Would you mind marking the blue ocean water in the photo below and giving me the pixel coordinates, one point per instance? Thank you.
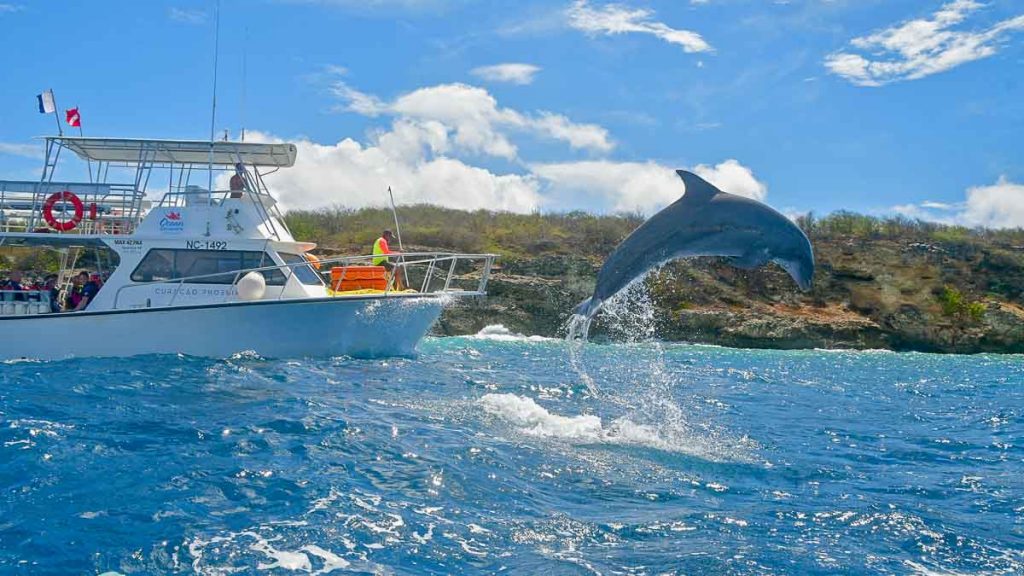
(489, 454)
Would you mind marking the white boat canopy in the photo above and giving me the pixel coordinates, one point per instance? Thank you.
(134, 152)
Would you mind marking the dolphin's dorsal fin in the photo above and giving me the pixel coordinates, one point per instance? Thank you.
(697, 188)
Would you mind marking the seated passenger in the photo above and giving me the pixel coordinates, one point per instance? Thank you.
(51, 286)
(89, 290)
(75, 291)
(14, 284)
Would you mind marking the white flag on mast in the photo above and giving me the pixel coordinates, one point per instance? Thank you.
(46, 103)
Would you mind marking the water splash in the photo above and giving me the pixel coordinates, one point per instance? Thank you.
(631, 320)
(500, 333)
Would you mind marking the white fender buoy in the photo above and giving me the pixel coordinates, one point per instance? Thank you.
(252, 286)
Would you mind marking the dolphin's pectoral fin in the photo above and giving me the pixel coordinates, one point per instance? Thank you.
(801, 270)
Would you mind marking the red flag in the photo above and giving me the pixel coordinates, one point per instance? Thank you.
(74, 120)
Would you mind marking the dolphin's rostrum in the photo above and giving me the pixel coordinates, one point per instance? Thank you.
(705, 222)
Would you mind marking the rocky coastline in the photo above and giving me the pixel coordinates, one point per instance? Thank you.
(895, 283)
(884, 295)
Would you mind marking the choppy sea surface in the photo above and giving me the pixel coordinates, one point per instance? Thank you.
(491, 454)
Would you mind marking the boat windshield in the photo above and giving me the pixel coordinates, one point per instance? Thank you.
(204, 266)
(303, 271)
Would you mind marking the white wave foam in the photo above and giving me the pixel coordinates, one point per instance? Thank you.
(500, 333)
(534, 420)
(300, 560)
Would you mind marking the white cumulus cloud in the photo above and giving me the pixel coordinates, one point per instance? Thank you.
(1000, 205)
(613, 19)
(348, 173)
(641, 186)
(476, 122)
(422, 154)
(734, 178)
(918, 48)
(511, 72)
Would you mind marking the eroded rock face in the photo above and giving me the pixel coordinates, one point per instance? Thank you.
(867, 294)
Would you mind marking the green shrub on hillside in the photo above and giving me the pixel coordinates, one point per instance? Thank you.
(955, 304)
(581, 233)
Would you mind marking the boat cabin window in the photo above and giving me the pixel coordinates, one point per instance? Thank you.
(300, 265)
(216, 266)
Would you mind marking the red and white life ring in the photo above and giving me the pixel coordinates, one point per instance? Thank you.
(63, 225)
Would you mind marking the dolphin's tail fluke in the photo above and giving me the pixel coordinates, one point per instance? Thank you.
(588, 308)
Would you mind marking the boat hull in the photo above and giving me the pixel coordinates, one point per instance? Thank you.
(360, 327)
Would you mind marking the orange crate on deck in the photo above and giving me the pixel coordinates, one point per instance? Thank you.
(367, 284)
(344, 278)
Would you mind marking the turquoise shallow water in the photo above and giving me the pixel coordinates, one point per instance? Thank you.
(488, 454)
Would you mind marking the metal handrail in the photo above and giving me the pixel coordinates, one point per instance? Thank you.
(419, 258)
(117, 206)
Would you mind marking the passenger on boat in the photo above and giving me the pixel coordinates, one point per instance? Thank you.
(238, 181)
(380, 251)
(14, 285)
(89, 289)
(75, 291)
(50, 285)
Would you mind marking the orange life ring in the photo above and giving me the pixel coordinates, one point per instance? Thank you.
(63, 225)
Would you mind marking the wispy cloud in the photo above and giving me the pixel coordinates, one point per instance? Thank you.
(513, 73)
(918, 48)
(10, 8)
(26, 150)
(187, 15)
(406, 7)
(613, 19)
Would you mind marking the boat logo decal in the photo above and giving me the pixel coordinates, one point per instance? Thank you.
(172, 222)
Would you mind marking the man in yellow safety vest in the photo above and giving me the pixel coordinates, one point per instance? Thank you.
(380, 251)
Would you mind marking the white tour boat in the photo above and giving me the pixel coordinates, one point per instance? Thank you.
(201, 271)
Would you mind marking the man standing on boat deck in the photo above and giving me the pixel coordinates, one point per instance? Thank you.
(238, 181)
(380, 250)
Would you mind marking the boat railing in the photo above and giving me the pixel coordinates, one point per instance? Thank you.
(194, 195)
(101, 209)
(24, 302)
(421, 273)
(265, 204)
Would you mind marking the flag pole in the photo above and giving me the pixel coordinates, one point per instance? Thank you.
(56, 117)
(82, 134)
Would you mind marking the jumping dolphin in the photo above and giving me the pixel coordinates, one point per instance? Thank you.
(705, 222)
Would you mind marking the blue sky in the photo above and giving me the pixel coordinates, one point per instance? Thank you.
(879, 106)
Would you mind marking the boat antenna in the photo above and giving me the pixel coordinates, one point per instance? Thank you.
(213, 115)
(245, 62)
(394, 212)
(398, 233)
